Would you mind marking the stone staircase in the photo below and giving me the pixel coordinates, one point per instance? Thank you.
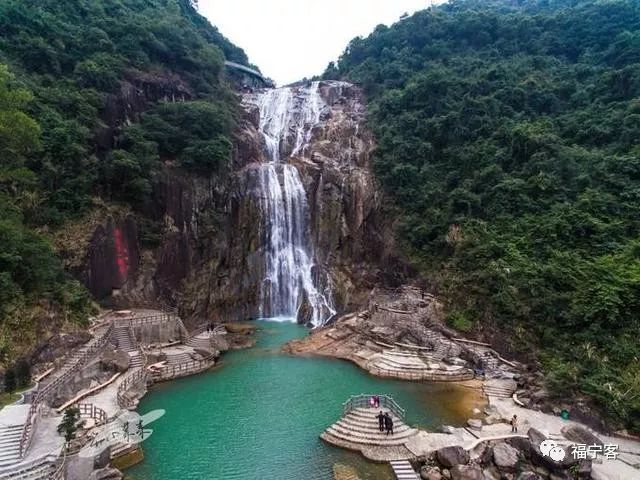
(178, 358)
(201, 340)
(403, 470)
(39, 469)
(127, 342)
(498, 388)
(414, 366)
(10, 444)
(360, 427)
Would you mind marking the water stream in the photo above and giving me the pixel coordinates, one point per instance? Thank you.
(260, 413)
(287, 118)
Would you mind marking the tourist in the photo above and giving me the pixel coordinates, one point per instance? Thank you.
(388, 423)
(381, 423)
(372, 402)
(514, 424)
(376, 400)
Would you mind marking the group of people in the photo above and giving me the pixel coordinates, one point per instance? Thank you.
(385, 422)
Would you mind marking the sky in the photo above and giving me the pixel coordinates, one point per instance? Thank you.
(292, 39)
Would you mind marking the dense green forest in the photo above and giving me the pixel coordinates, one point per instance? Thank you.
(509, 138)
(62, 66)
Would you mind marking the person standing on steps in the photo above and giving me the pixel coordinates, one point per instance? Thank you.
(380, 418)
(388, 423)
(514, 424)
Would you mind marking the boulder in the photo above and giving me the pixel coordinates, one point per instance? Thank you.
(584, 469)
(446, 473)
(430, 473)
(115, 360)
(505, 456)
(529, 476)
(493, 419)
(536, 438)
(106, 474)
(475, 423)
(466, 472)
(523, 445)
(450, 456)
(491, 473)
(581, 435)
(448, 429)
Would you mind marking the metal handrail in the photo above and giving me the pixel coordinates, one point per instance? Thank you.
(136, 376)
(171, 370)
(362, 400)
(43, 392)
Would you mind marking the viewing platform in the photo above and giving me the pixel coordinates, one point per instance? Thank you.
(358, 430)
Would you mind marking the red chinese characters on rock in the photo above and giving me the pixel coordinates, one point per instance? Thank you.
(122, 253)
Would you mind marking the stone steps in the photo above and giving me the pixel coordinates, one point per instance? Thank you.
(199, 342)
(39, 469)
(10, 444)
(368, 426)
(124, 340)
(381, 440)
(403, 470)
(360, 427)
(178, 358)
(390, 364)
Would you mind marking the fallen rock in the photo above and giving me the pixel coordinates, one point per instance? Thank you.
(475, 423)
(450, 456)
(448, 429)
(505, 456)
(115, 360)
(581, 435)
(493, 419)
(466, 472)
(523, 445)
(430, 473)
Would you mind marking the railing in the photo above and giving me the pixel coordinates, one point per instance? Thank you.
(44, 392)
(181, 369)
(89, 352)
(59, 473)
(159, 318)
(435, 375)
(137, 376)
(91, 411)
(363, 400)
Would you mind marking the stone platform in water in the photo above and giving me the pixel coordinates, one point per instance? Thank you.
(358, 431)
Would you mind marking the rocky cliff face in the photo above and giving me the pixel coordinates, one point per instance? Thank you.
(208, 259)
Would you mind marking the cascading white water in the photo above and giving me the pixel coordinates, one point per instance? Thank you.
(287, 119)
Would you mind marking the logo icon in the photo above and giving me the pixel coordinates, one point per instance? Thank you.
(551, 449)
(127, 428)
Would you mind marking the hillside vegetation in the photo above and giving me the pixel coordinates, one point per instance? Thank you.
(63, 65)
(509, 138)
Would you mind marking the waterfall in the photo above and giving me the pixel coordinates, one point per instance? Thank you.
(287, 118)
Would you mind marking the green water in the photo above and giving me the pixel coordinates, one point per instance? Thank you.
(258, 415)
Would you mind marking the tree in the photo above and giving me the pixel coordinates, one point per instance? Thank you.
(70, 423)
(10, 381)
